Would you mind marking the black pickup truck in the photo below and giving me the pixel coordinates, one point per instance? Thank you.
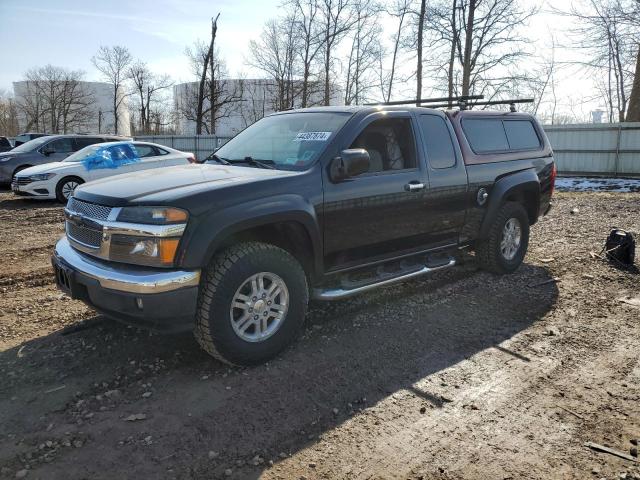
(320, 203)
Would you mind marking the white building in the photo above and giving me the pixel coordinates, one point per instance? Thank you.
(249, 101)
(97, 117)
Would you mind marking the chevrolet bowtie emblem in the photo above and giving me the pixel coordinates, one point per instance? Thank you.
(76, 219)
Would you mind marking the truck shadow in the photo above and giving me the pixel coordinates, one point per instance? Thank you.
(352, 355)
(9, 201)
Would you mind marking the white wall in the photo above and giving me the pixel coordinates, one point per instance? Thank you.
(103, 102)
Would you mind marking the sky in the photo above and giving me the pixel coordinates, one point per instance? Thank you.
(68, 32)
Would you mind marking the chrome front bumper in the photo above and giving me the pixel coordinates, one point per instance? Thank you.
(122, 277)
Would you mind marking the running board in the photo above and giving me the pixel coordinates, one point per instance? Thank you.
(340, 293)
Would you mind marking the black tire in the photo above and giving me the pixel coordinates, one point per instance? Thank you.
(225, 275)
(60, 187)
(489, 252)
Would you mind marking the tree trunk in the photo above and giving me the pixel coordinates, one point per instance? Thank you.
(468, 48)
(327, 67)
(633, 113)
(115, 108)
(423, 7)
(212, 87)
(452, 55)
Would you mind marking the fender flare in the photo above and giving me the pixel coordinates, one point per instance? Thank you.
(524, 181)
(212, 230)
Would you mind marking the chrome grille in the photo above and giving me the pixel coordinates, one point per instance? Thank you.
(91, 210)
(84, 235)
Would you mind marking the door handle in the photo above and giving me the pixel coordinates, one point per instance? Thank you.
(414, 187)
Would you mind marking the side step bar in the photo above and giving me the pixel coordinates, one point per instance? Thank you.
(340, 293)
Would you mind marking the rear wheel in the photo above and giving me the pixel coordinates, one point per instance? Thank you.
(66, 187)
(506, 245)
(252, 303)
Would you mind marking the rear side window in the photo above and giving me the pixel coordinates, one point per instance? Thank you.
(521, 135)
(437, 141)
(160, 151)
(144, 150)
(485, 135)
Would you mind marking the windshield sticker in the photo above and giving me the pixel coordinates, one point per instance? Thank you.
(113, 156)
(312, 137)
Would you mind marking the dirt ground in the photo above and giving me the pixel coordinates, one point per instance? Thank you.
(463, 375)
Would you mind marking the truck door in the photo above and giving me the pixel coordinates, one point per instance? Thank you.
(447, 195)
(382, 212)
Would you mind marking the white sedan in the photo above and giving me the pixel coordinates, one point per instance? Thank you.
(59, 179)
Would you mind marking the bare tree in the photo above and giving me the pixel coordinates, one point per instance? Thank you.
(55, 100)
(194, 101)
(275, 54)
(192, 104)
(399, 10)
(256, 94)
(310, 43)
(336, 19)
(365, 52)
(147, 87)
(113, 62)
(481, 40)
(633, 112)
(605, 40)
(214, 67)
(630, 13)
(421, 15)
(8, 115)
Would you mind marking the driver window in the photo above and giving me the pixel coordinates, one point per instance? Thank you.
(390, 144)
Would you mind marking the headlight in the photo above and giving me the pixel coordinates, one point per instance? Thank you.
(5, 159)
(153, 215)
(150, 251)
(41, 177)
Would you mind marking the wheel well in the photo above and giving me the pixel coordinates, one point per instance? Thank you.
(529, 200)
(291, 236)
(17, 169)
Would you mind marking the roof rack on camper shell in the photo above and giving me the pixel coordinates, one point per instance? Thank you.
(462, 102)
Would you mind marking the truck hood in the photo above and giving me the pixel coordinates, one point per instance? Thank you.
(162, 185)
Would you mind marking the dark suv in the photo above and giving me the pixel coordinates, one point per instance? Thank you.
(319, 203)
(51, 148)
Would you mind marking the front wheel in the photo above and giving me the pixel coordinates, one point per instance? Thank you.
(506, 245)
(252, 303)
(66, 187)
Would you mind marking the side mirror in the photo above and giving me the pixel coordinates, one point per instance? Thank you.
(350, 163)
(47, 150)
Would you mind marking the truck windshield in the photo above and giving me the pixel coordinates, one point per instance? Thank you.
(289, 141)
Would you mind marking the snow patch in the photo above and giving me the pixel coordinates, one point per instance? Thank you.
(584, 184)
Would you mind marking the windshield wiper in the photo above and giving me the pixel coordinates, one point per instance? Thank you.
(255, 162)
(218, 159)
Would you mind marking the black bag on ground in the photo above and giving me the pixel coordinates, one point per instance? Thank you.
(620, 247)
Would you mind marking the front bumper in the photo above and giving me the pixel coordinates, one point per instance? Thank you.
(148, 297)
(34, 189)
